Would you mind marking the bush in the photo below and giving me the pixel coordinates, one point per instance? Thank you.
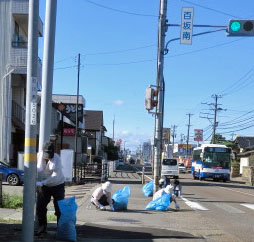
(235, 163)
(12, 201)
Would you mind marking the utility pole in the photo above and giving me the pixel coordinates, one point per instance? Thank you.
(188, 133)
(215, 109)
(30, 156)
(47, 72)
(114, 129)
(215, 116)
(77, 123)
(162, 28)
(174, 135)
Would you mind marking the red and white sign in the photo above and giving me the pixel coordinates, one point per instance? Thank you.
(198, 134)
(69, 131)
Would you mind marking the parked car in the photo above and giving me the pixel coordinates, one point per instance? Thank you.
(182, 168)
(11, 175)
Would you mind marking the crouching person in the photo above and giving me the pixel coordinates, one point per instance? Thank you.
(169, 189)
(101, 197)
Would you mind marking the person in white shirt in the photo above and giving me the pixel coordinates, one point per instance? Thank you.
(101, 197)
(50, 183)
(169, 189)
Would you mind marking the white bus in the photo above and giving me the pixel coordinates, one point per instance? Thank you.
(211, 161)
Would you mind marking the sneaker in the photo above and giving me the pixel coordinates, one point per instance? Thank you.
(42, 229)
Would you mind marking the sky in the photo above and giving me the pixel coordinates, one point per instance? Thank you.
(117, 40)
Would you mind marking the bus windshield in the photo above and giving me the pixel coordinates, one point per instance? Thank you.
(216, 159)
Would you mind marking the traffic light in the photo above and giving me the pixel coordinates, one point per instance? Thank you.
(240, 27)
(151, 98)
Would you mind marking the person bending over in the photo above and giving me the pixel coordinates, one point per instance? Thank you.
(101, 197)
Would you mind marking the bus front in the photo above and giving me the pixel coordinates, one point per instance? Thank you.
(216, 163)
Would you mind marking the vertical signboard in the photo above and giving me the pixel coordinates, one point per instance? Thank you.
(198, 134)
(166, 135)
(187, 26)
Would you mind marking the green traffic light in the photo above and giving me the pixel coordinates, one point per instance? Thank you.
(235, 26)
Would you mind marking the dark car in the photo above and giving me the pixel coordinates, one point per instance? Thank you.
(11, 175)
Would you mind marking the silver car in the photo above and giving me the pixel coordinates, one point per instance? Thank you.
(182, 168)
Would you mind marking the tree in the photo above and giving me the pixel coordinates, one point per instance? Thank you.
(219, 139)
(112, 150)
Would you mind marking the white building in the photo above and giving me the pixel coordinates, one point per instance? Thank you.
(13, 69)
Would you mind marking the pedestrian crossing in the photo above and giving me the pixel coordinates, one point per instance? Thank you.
(237, 208)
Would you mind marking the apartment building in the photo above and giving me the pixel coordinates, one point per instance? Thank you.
(13, 69)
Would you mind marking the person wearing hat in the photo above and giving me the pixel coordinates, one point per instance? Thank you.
(50, 183)
(101, 197)
(169, 189)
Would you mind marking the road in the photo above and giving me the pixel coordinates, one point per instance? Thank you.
(210, 211)
(229, 205)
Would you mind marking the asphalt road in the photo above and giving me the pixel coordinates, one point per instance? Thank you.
(210, 211)
(229, 206)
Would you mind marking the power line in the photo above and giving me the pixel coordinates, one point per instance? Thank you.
(122, 11)
(211, 9)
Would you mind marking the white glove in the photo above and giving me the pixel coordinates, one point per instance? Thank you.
(39, 184)
(112, 208)
(102, 207)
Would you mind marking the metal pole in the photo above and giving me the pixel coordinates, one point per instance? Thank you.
(114, 129)
(188, 134)
(76, 131)
(47, 72)
(30, 157)
(159, 83)
(62, 126)
(215, 116)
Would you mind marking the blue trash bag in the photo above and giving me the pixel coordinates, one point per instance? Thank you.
(159, 204)
(148, 189)
(121, 198)
(66, 228)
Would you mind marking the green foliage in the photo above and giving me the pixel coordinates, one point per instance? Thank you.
(112, 151)
(235, 163)
(12, 201)
(51, 216)
(219, 139)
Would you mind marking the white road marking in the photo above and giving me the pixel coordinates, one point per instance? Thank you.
(245, 193)
(194, 205)
(248, 205)
(228, 208)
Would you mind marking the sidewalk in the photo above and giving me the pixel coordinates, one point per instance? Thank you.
(136, 223)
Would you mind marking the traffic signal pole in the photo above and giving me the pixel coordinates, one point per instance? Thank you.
(162, 28)
(30, 157)
(47, 72)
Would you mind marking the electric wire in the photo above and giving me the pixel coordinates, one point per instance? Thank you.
(211, 9)
(121, 11)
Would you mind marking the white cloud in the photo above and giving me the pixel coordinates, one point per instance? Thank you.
(118, 102)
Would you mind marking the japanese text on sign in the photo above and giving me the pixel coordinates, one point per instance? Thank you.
(198, 134)
(187, 25)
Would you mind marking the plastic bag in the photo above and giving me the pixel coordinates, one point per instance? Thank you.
(148, 189)
(121, 198)
(159, 204)
(66, 229)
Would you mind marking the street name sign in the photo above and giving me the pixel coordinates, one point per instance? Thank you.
(187, 26)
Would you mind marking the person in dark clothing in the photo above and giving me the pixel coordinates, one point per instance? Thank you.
(50, 183)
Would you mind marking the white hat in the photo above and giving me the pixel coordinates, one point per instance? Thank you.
(168, 188)
(161, 180)
(107, 186)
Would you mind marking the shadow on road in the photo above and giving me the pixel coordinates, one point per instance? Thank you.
(127, 233)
